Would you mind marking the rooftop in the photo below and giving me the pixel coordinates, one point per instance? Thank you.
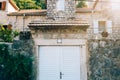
(28, 13)
(13, 4)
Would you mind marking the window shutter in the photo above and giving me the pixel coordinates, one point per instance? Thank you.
(95, 25)
(109, 26)
(3, 5)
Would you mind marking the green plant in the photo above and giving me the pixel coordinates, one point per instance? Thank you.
(81, 3)
(15, 66)
(7, 35)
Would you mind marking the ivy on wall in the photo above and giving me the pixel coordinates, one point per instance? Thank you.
(15, 66)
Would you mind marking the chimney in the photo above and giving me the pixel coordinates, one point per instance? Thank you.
(60, 9)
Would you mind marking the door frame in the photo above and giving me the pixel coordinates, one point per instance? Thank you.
(65, 42)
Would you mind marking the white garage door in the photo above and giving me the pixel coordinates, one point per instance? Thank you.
(59, 63)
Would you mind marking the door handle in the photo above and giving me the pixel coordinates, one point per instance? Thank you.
(61, 75)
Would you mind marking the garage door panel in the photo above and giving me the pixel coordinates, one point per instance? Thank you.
(48, 63)
(71, 63)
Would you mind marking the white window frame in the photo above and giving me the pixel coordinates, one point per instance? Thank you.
(95, 27)
(108, 26)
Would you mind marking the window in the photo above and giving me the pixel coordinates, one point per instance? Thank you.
(60, 5)
(115, 4)
(0, 5)
(100, 26)
(9, 26)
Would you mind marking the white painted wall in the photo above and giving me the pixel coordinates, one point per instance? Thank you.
(3, 14)
(10, 8)
(3, 17)
(3, 0)
(17, 21)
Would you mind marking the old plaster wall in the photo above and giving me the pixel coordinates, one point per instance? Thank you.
(3, 17)
(18, 22)
(64, 33)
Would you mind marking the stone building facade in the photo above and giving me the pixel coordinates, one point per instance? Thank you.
(53, 10)
(95, 31)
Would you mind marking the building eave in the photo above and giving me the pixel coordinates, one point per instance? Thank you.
(28, 13)
(13, 4)
(58, 24)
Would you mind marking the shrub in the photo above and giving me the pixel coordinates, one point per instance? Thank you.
(81, 4)
(15, 67)
(7, 35)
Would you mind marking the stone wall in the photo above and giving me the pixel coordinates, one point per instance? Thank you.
(104, 62)
(59, 32)
(67, 13)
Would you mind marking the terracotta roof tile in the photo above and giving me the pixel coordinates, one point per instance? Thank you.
(51, 23)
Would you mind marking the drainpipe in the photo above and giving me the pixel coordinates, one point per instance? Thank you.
(15, 21)
(23, 22)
